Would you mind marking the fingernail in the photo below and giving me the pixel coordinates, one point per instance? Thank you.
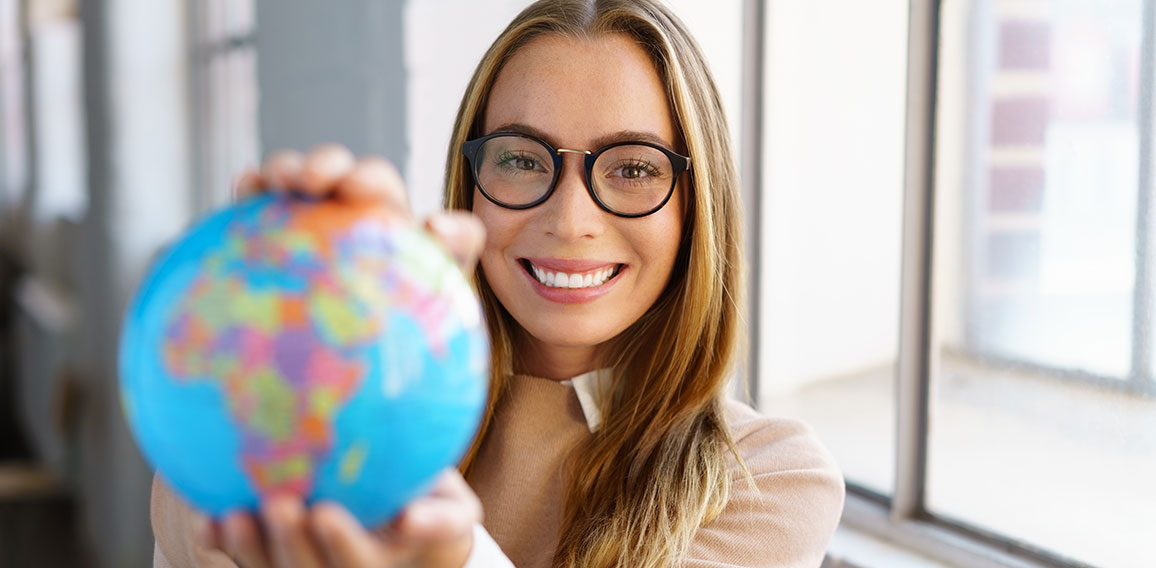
(422, 518)
(202, 531)
(322, 525)
(232, 536)
(325, 533)
(445, 226)
(278, 512)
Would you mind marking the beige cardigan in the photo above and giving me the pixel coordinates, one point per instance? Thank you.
(785, 521)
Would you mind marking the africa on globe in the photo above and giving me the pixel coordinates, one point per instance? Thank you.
(287, 345)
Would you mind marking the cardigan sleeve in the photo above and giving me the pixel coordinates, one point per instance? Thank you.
(786, 517)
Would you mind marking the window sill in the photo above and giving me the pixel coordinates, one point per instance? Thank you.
(869, 538)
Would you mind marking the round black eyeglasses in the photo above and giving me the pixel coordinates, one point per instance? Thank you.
(627, 179)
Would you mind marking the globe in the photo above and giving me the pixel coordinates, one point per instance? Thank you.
(307, 347)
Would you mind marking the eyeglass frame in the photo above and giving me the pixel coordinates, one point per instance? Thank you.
(679, 164)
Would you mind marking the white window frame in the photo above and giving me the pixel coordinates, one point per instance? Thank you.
(205, 52)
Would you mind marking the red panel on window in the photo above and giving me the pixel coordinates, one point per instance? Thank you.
(1024, 45)
(1019, 121)
(1019, 190)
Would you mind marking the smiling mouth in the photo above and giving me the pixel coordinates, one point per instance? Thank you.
(557, 279)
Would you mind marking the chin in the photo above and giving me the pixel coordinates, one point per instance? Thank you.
(559, 336)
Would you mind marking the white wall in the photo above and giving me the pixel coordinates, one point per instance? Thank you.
(444, 40)
(833, 186)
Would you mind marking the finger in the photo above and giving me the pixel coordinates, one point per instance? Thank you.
(243, 541)
(462, 233)
(375, 180)
(282, 170)
(345, 541)
(287, 524)
(207, 533)
(323, 168)
(447, 513)
(429, 520)
(250, 182)
(451, 484)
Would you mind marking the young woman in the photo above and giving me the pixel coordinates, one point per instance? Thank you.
(592, 147)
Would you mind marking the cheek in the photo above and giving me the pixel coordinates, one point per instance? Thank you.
(502, 230)
(666, 235)
(490, 216)
(499, 231)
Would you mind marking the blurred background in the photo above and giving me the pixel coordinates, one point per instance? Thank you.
(950, 220)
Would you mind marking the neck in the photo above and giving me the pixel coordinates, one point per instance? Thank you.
(556, 362)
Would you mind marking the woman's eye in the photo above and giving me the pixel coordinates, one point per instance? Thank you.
(637, 171)
(520, 163)
(523, 163)
(633, 172)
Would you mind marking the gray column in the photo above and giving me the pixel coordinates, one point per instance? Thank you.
(332, 72)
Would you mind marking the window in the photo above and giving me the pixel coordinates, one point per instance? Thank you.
(1042, 423)
(957, 270)
(225, 96)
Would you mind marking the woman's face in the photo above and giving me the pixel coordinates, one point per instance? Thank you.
(578, 94)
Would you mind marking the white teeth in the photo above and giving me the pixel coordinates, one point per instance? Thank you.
(564, 280)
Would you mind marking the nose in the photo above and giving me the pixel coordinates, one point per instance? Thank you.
(571, 213)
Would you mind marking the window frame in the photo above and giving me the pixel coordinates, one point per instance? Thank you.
(205, 51)
(1143, 378)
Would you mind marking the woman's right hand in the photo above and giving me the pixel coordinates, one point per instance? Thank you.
(444, 537)
(432, 531)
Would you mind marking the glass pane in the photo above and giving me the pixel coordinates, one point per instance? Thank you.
(1032, 435)
(1054, 203)
(831, 225)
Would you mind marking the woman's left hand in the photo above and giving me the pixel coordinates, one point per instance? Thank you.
(434, 531)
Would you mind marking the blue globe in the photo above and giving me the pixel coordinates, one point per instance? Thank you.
(308, 347)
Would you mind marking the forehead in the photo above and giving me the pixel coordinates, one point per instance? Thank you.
(577, 90)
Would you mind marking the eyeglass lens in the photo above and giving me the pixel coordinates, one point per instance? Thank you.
(630, 179)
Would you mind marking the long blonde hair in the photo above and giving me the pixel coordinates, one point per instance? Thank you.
(657, 469)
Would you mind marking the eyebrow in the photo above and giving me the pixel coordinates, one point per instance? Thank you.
(599, 142)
